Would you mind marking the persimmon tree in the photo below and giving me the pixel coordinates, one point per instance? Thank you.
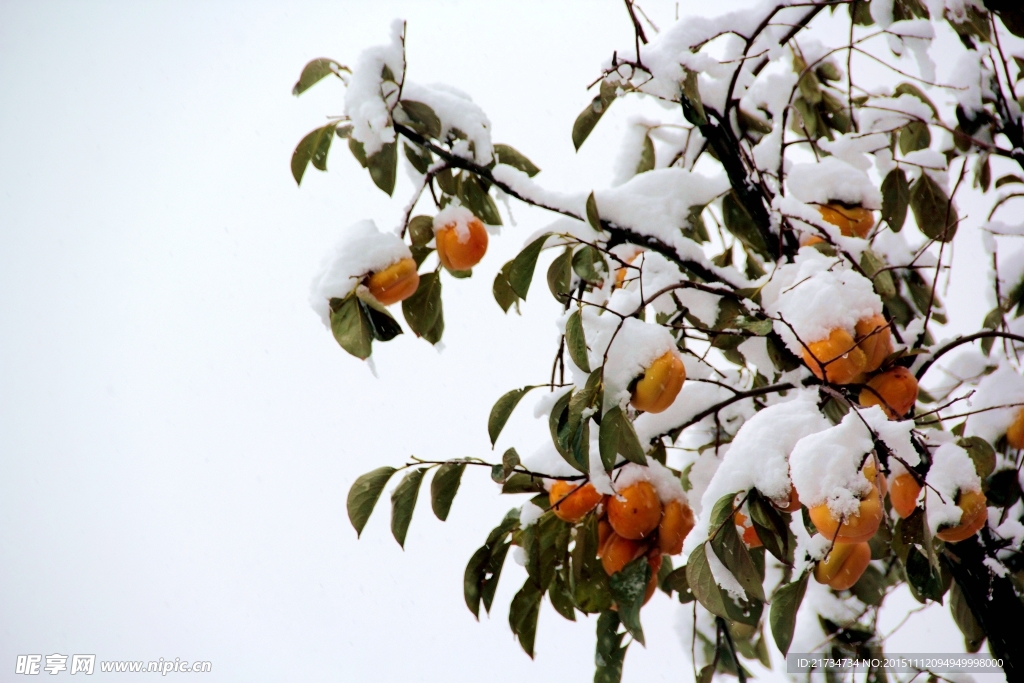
(734, 404)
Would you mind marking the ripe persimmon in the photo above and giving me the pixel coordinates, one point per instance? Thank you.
(654, 559)
(836, 358)
(617, 552)
(571, 502)
(843, 565)
(904, 493)
(870, 473)
(660, 384)
(461, 249)
(749, 535)
(851, 221)
(973, 515)
(894, 391)
(1015, 433)
(854, 529)
(875, 339)
(635, 512)
(622, 273)
(395, 283)
(676, 523)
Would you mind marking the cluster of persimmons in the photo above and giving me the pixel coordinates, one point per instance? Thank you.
(636, 522)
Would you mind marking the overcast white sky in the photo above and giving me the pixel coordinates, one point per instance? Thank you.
(178, 431)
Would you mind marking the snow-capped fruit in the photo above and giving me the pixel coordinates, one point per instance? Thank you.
(791, 504)
(903, 494)
(676, 523)
(617, 552)
(894, 391)
(843, 565)
(1015, 433)
(571, 502)
(635, 512)
(973, 515)
(836, 359)
(875, 339)
(854, 529)
(461, 249)
(395, 283)
(851, 221)
(660, 384)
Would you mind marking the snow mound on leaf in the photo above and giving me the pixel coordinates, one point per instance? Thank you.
(363, 249)
(758, 457)
(1001, 396)
(817, 294)
(368, 99)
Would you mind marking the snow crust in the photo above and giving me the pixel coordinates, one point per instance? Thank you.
(362, 250)
(659, 476)
(1004, 387)
(952, 471)
(366, 103)
(833, 179)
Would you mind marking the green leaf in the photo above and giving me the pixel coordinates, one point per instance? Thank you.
(702, 583)
(771, 528)
(363, 496)
(677, 581)
(870, 587)
(560, 275)
(561, 599)
(782, 617)
(934, 212)
(741, 225)
(475, 198)
(895, 199)
(474, 575)
(315, 71)
(964, 618)
(422, 118)
(484, 568)
(523, 265)
(522, 483)
(383, 327)
(647, 157)
(593, 217)
(875, 268)
(403, 502)
(617, 435)
(914, 91)
(1008, 179)
(421, 230)
(509, 461)
(590, 265)
(444, 486)
(420, 158)
(924, 580)
(312, 148)
(357, 150)
(503, 409)
(610, 653)
(523, 613)
(727, 545)
(914, 136)
(589, 117)
(693, 108)
(423, 310)
(576, 341)
(383, 167)
(507, 155)
(351, 328)
(558, 419)
(628, 587)
(982, 454)
(502, 290)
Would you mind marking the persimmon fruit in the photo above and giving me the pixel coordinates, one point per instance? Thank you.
(658, 387)
(837, 358)
(851, 221)
(1015, 433)
(973, 515)
(843, 565)
(635, 512)
(461, 249)
(854, 529)
(904, 493)
(894, 391)
(571, 502)
(874, 338)
(676, 522)
(395, 283)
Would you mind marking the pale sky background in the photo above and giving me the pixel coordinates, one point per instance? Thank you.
(178, 431)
